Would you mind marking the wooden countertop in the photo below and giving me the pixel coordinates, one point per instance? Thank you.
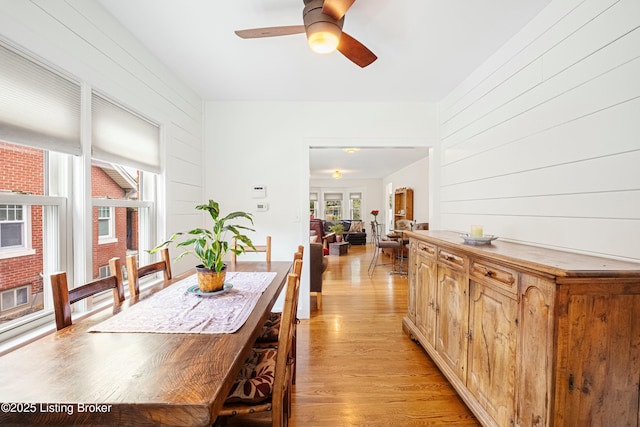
(553, 262)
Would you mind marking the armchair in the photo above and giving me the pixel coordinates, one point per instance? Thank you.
(324, 238)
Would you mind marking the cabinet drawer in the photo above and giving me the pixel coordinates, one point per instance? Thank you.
(458, 262)
(426, 250)
(497, 275)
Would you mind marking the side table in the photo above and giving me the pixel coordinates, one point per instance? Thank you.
(338, 248)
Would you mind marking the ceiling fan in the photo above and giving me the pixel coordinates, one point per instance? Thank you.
(323, 21)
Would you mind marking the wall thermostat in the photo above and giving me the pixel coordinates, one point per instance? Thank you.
(259, 191)
(262, 207)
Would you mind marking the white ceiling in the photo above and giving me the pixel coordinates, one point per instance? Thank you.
(368, 163)
(425, 48)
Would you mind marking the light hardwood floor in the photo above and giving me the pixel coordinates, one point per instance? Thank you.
(356, 367)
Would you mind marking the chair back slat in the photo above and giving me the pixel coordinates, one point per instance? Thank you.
(135, 273)
(282, 381)
(266, 248)
(63, 297)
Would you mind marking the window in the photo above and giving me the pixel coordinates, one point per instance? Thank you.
(355, 206)
(103, 271)
(332, 206)
(313, 205)
(14, 298)
(123, 221)
(105, 223)
(30, 222)
(44, 213)
(11, 226)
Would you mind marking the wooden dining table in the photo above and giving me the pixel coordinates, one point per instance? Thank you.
(76, 377)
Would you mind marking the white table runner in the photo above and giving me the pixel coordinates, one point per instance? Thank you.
(174, 310)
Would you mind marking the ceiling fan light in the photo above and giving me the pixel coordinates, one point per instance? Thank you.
(323, 37)
(337, 174)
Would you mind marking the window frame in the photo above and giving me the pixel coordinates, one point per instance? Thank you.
(14, 291)
(68, 204)
(110, 237)
(55, 258)
(26, 247)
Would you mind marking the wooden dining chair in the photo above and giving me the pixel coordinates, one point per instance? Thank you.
(63, 297)
(135, 273)
(266, 248)
(271, 328)
(264, 383)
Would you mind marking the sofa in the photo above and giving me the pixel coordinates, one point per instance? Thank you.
(354, 231)
(317, 265)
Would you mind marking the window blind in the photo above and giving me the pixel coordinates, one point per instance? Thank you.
(38, 107)
(333, 196)
(122, 137)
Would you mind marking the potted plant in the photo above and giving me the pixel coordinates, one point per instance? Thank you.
(338, 229)
(211, 246)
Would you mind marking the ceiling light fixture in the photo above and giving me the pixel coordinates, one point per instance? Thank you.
(323, 31)
(350, 150)
(323, 37)
(337, 174)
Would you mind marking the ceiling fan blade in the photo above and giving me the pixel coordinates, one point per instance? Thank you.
(336, 8)
(256, 33)
(355, 51)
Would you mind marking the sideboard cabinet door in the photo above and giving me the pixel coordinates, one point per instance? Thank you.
(411, 276)
(452, 326)
(535, 351)
(492, 363)
(426, 292)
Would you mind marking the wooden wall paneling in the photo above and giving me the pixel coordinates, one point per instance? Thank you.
(116, 63)
(589, 176)
(609, 205)
(600, 61)
(617, 125)
(549, 106)
(555, 23)
(613, 23)
(526, 78)
(529, 41)
(606, 237)
(136, 61)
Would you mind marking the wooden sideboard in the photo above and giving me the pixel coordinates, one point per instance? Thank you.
(528, 336)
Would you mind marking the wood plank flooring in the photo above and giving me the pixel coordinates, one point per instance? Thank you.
(356, 367)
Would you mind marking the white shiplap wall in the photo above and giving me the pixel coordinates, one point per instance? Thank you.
(80, 38)
(541, 144)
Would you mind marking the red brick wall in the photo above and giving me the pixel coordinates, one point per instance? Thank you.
(22, 169)
(103, 186)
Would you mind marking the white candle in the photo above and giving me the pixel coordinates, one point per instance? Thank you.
(476, 231)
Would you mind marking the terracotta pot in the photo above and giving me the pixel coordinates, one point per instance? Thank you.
(338, 238)
(209, 280)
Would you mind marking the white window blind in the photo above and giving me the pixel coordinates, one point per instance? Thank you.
(38, 107)
(355, 196)
(120, 136)
(333, 196)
